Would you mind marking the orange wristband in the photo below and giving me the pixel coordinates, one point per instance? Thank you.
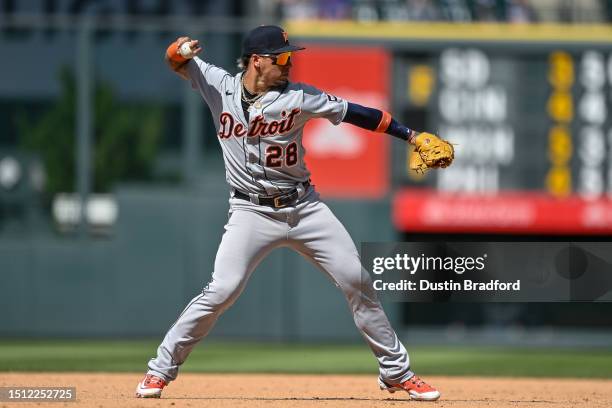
(172, 53)
(384, 122)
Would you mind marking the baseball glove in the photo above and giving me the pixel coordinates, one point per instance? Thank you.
(431, 152)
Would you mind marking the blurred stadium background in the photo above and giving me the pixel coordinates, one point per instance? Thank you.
(112, 187)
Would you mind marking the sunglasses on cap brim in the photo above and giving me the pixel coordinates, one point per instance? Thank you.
(279, 59)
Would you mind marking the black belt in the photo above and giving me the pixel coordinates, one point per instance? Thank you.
(279, 201)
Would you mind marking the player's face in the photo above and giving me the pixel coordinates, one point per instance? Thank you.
(272, 72)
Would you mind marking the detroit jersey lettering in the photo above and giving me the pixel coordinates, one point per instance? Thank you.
(265, 155)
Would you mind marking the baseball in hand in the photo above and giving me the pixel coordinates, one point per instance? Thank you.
(186, 51)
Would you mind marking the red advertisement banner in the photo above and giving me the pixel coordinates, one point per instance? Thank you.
(416, 210)
(346, 161)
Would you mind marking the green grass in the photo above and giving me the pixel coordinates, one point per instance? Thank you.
(132, 355)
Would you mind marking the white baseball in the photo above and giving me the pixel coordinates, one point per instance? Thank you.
(186, 50)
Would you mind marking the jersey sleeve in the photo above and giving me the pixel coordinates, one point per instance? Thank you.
(318, 104)
(207, 78)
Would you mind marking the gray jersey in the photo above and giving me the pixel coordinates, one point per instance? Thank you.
(264, 156)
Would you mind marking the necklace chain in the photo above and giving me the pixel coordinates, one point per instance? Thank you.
(252, 100)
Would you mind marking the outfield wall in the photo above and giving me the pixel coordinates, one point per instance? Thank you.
(160, 255)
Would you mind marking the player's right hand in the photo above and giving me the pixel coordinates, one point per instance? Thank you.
(193, 44)
(174, 58)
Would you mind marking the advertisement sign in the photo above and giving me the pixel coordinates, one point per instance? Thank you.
(416, 210)
(346, 161)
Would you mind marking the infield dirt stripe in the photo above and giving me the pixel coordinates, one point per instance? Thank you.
(265, 390)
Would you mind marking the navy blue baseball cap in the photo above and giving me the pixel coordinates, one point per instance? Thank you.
(267, 39)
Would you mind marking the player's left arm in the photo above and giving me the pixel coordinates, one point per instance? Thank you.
(378, 121)
(430, 151)
(318, 104)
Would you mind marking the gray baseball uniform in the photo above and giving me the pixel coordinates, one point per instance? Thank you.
(265, 157)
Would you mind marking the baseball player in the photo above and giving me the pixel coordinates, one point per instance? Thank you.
(259, 117)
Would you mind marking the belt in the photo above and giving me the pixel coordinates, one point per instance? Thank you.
(279, 201)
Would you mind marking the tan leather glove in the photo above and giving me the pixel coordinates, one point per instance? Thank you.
(432, 152)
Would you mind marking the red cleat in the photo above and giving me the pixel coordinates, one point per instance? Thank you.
(150, 387)
(417, 389)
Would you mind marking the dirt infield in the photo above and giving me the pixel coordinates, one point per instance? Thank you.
(266, 390)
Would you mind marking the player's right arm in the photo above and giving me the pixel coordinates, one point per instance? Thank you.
(175, 60)
(208, 79)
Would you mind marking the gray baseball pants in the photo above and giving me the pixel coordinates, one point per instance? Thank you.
(311, 229)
